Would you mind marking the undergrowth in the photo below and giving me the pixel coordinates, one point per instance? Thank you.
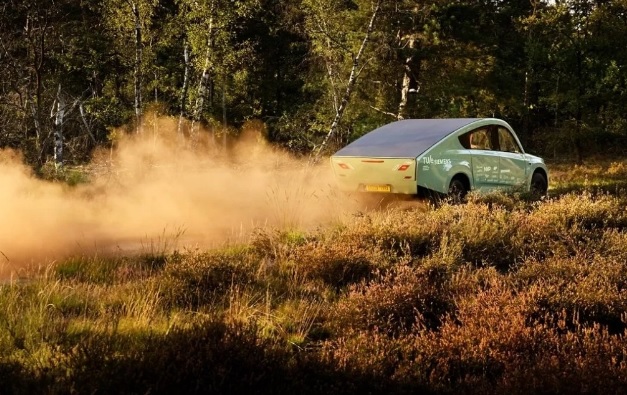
(498, 295)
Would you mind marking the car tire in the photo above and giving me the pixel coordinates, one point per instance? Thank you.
(457, 191)
(539, 185)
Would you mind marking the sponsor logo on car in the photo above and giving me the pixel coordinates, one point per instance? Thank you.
(428, 160)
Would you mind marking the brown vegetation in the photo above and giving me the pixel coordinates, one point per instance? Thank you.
(498, 295)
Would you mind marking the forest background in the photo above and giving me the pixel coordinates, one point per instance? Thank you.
(311, 74)
(241, 273)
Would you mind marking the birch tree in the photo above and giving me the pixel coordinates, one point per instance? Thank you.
(129, 23)
(184, 88)
(58, 114)
(330, 39)
(137, 73)
(408, 38)
(205, 82)
(36, 33)
(216, 54)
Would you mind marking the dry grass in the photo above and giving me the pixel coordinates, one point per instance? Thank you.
(500, 295)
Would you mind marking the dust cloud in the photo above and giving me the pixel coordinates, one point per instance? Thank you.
(157, 191)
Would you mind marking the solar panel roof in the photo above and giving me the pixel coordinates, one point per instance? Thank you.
(404, 139)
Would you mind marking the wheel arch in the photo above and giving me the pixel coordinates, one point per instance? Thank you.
(541, 171)
(463, 177)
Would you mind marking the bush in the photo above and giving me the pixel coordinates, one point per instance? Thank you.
(197, 279)
(404, 299)
(495, 296)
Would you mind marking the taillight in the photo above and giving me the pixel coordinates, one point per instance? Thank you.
(344, 166)
(403, 167)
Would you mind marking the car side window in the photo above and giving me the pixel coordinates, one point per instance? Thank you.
(507, 142)
(480, 139)
(477, 139)
(464, 140)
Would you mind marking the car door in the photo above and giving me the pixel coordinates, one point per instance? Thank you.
(513, 164)
(485, 160)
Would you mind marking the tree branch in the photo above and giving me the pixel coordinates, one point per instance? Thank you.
(352, 80)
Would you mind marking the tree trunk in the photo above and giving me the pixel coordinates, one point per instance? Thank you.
(185, 88)
(138, 71)
(204, 78)
(224, 125)
(58, 113)
(410, 80)
(81, 109)
(352, 79)
(36, 38)
(35, 114)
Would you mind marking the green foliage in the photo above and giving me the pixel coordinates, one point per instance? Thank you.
(554, 70)
(66, 175)
(504, 294)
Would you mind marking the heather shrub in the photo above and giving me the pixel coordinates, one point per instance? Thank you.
(416, 232)
(498, 295)
(376, 354)
(195, 279)
(486, 234)
(402, 299)
(493, 347)
(613, 243)
(339, 261)
(488, 337)
(604, 176)
(590, 212)
(275, 246)
(470, 351)
(206, 357)
(586, 290)
(499, 199)
(564, 226)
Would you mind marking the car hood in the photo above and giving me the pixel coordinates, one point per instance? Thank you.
(534, 159)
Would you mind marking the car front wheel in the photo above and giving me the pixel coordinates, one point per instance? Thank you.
(539, 185)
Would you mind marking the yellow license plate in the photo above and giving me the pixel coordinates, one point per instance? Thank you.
(378, 188)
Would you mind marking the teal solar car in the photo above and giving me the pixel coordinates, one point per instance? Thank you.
(439, 156)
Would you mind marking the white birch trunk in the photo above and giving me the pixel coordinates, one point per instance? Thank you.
(407, 79)
(58, 112)
(224, 125)
(332, 80)
(138, 71)
(185, 88)
(352, 79)
(204, 78)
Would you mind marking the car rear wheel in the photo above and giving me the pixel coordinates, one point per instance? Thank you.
(539, 185)
(457, 190)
